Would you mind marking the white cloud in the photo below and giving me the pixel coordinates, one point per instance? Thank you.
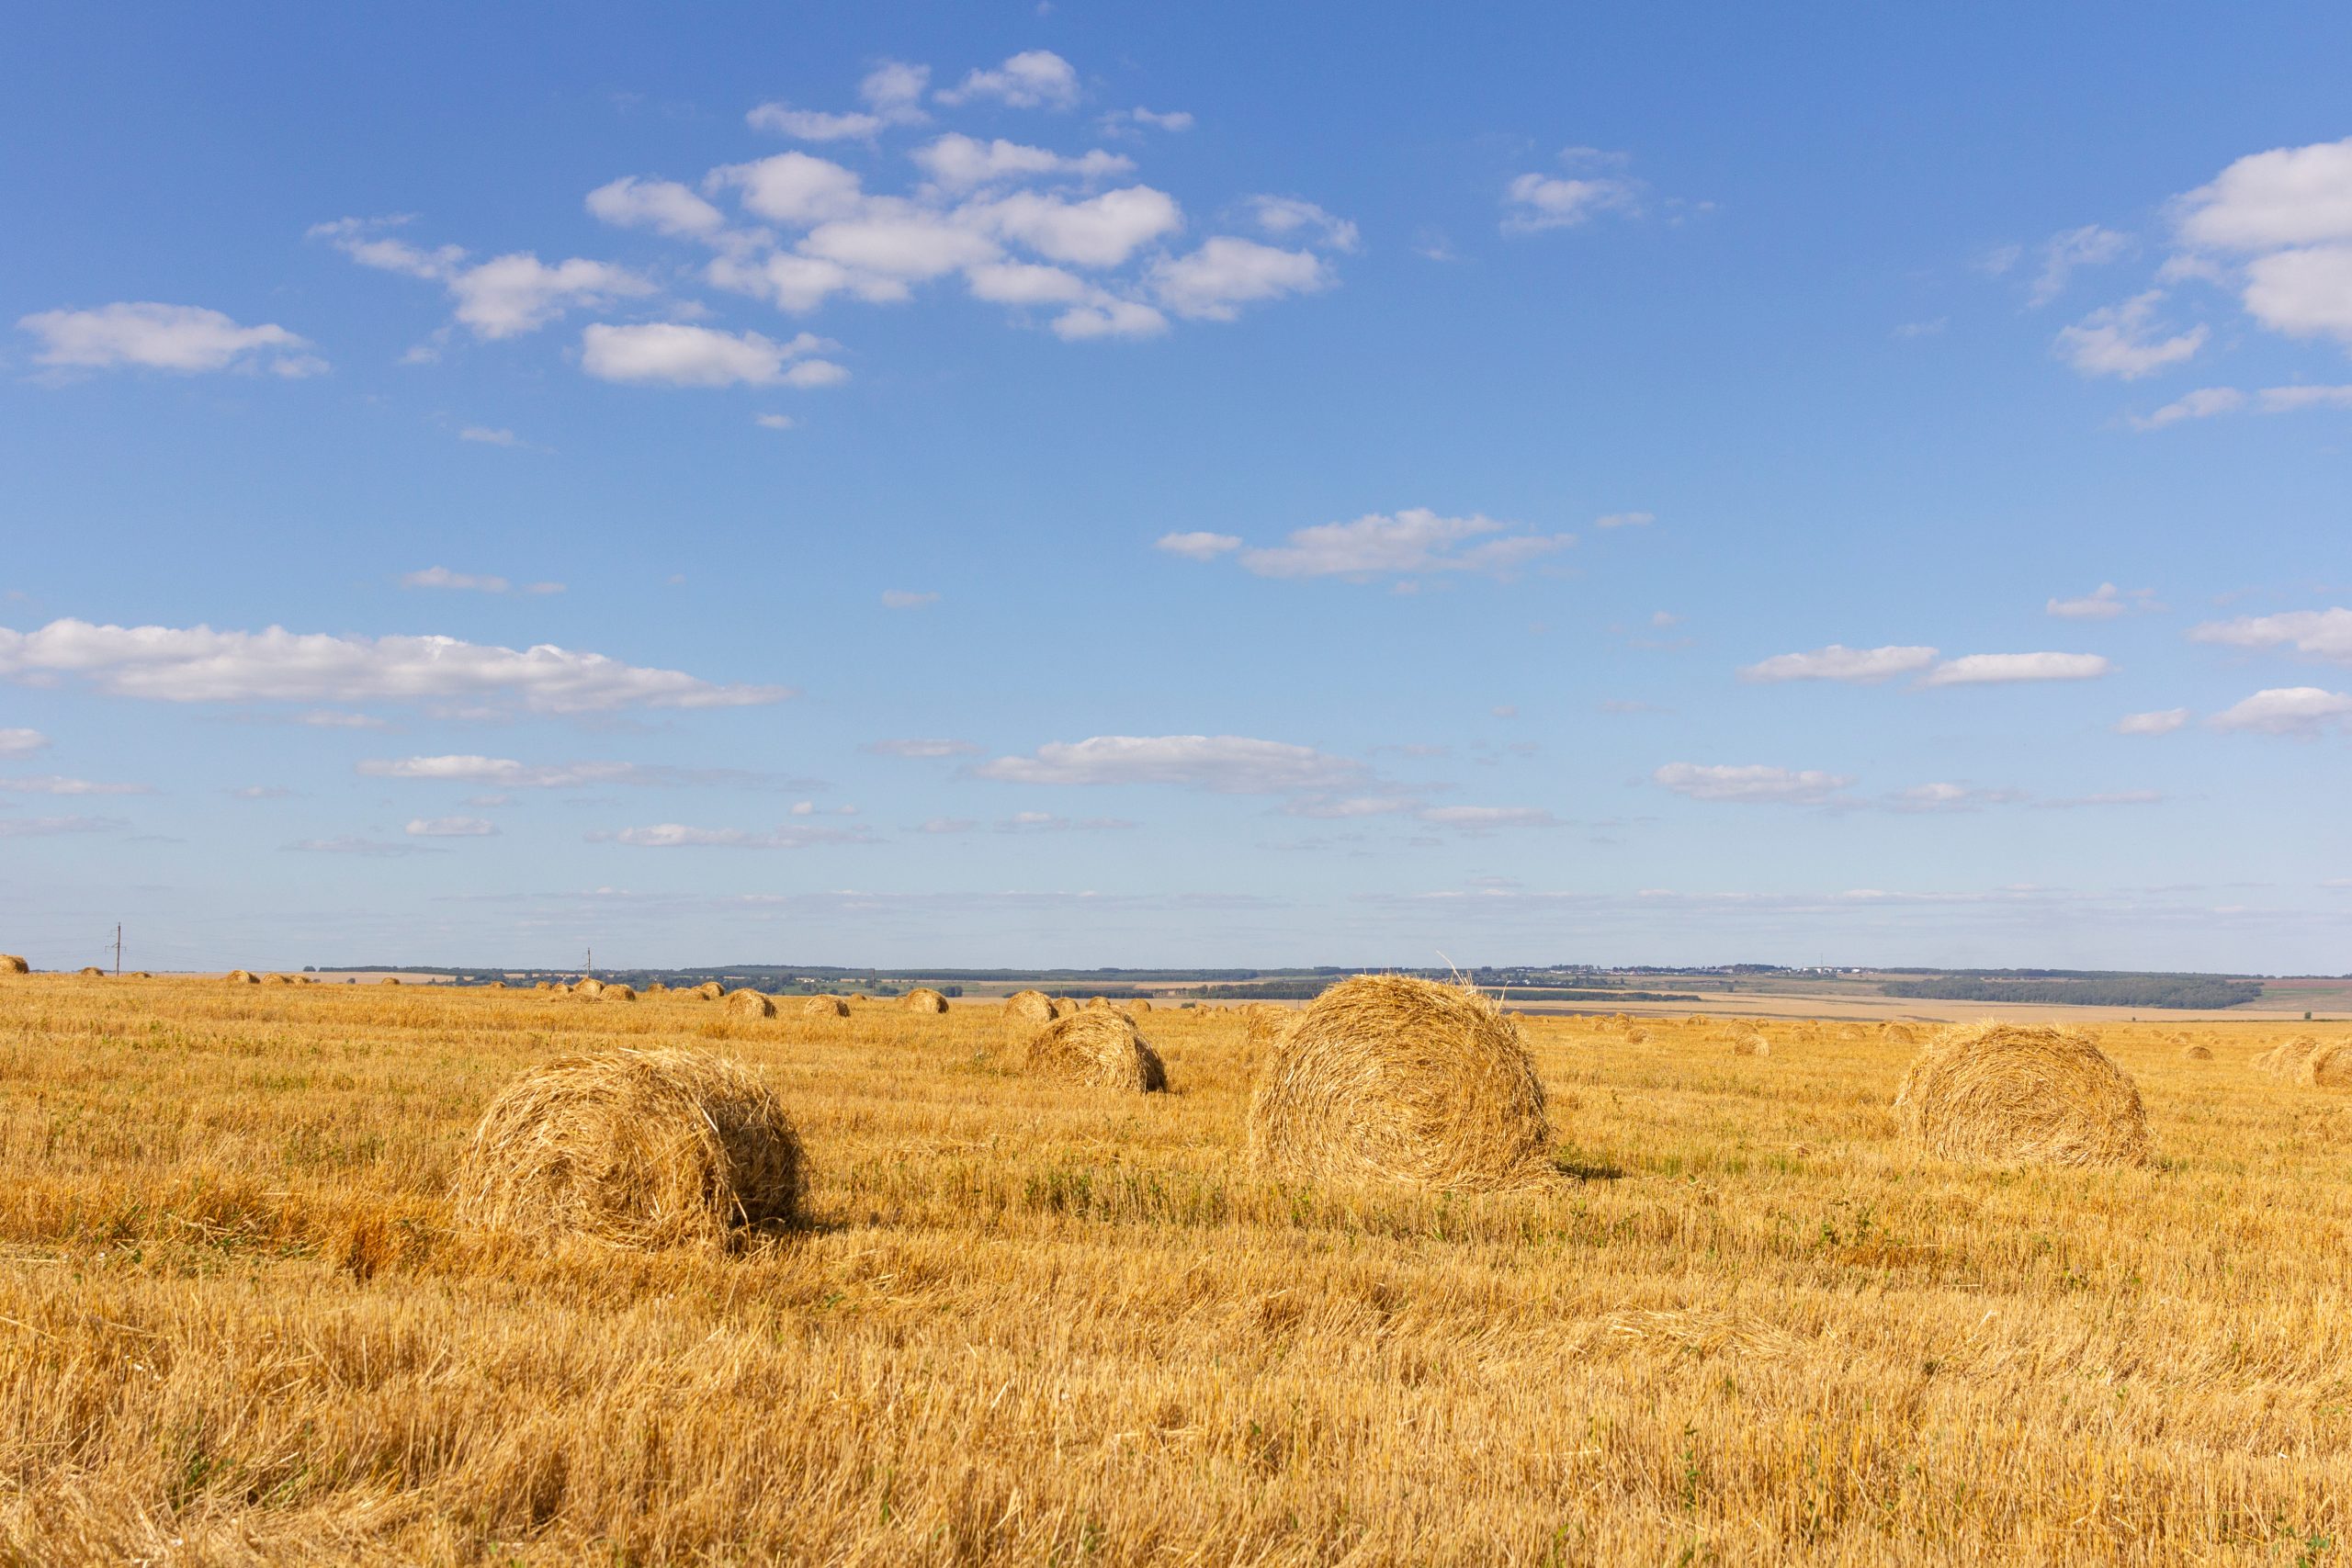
(451, 828)
(1100, 231)
(188, 339)
(507, 773)
(1106, 318)
(503, 296)
(1838, 662)
(906, 599)
(791, 187)
(894, 90)
(2302, 293)
(2158, 721)
(1414, 540)
(197, 664)
(1046, 822)
(262, 791)
(2318, 634)
(1479, 819)
(671, 354)
(922, 747)
(2102, 604)
(1198, 545)
(958, 162)
(2122, 340)
(1226, 272)
(1283, 216)
(1625, 520)
(2289, 710)
(351, 844)
(2288, 400)
(773, 421)
(812, 125)
(1026, 283)
(1949, 797)
(442, 577)
(678, 835)
(1229, 765)
(489, 436)
(1533, 203)
(1122, 121)
(21, 743)
(662, 206)
(2289, 196)
(1752, 783)
(897, 240)
(1999, 669)
(43, 827)
(57, 784)
(2205, 402)
(1036, 78)
(2087, 246)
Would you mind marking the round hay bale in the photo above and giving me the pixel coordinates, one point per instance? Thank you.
(2285, 1058)
(1097, 1048)
(709, 991)
(12, 964)
(750, 1003)
(389, 980)
(2023, 1094)
(587, 986)
(922, 998)
(1138, 1005)
(1028, 1009)
(242, 978)
(2330, 1066)
(139, 974)
(859, 997)
(1262, 1023)
(636, 1148)
(1390, 1077)
(494, 986)
(655, 988)
(616, 992)
(1750, 1043)
(92, 972)
(2197, 1053)
(824, 1007)
(1637, 1036)
(1900, 1034)
(543, 985)
(266, 979)
(1064, 1007)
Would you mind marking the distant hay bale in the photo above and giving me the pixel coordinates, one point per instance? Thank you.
(2197, 1053)
(636, 1148)
(495, 985)
(1064, 1007)
(2330, 1066)
(92, 972)
(709, 991)
(856, 997)
(389, 980)
(2029, 1094)
(2286, 1060)
(266, 979)
(1391, 1078)
(12, 964)
(654, 987)
(1263, 1023)
(1637, 1036)
(242, 978)
(922, 998)
(1138, 1004)
(824, 1007)
(1900, 1034)
(587, 986)
(614, 991)
(1750, 1043)
(1098, 1048)
(1032, 1009)
(543, 985)
(749, 1003)
(139, 974)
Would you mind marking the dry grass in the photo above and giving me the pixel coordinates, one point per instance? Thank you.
(2022, 1094)
(1386, 1078)
(1096, 1048)
(1029, 1322)
(638, 1148)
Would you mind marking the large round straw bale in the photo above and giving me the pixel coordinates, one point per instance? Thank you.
(1138, 1004)
(2285, 1058)
(12, 964)
(1097, 1047)
(750, 1003)
(1396, 1078)
(2197, 1054)
(1750, 1043)
(587, 986)
(2026, 1094)
(922, 998)
(614, 991)
(242, 978)
(1028, 1009)
(638, 1148)
(709, 991)
(824, 1007)
(92, 972)
(2330, 1066)
(389, 980)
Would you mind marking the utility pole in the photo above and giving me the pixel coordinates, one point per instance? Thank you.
(588, 971)
(117, 950)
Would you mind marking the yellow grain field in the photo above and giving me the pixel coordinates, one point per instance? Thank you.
(1033, 1322)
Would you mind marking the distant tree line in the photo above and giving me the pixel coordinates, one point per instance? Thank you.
(2201, 992)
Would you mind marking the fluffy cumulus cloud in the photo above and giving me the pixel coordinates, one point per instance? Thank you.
(1534, 202)
(2007, 669)
(503, 296)
(1401, 545)
(2157, 721)
(1751, 782)
(663, 206)
(2278, 224)
(183, 339)
(2289, 710)
(1036, 78)
(1838, 662)
(1224, 274)
(2315, 634)
(1228, 764)
(673, 354)
(198, 664)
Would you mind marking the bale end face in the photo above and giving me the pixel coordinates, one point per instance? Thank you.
(634, 1148)
(2330, 1066)
(1097, 1048)
(1392, 1078)
(2022, 1094)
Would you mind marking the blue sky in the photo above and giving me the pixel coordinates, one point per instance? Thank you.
(1045, 485)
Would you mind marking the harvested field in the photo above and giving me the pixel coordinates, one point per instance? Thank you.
(1028, 1321)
